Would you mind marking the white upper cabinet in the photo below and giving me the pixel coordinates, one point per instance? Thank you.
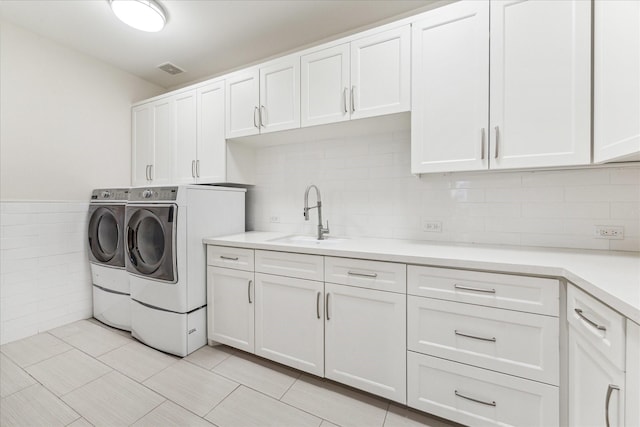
(380, 73)
(185, 137)
(264, 99)
(450, 88)
(325, 86)
(540, 101)
(537, 65)
(364, 78)
(243, 99)
(616, 73)
(152, 145)
(210, 160)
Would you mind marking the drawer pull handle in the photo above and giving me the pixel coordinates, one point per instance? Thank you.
(469, 288)
(589, 321)
(492, 403)
(230, 258)
(249, 291)
(608, 399)
(356, 273)
(318, 305)
(462, 334)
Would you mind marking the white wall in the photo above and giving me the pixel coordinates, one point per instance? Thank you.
(65, 128)
(65, 121)
(368, 190)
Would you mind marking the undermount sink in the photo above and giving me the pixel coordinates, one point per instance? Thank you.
(308, 240)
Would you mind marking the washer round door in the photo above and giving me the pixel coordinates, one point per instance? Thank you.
(105, 235)
(151, 242)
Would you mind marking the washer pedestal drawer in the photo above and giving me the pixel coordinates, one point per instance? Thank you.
(475, 396)
(175, 333)
(112, 309)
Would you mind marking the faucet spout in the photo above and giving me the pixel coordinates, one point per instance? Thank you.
(321, 230)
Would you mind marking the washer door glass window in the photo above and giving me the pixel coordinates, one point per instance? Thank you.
(150, 242)
(105, 235)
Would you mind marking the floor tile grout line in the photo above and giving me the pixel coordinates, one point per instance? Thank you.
(289, 388)
(219, 403)
(46, 358)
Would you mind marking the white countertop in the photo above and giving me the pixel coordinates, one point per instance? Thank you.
(612, 277)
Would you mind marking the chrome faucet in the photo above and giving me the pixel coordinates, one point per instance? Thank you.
(321, 230)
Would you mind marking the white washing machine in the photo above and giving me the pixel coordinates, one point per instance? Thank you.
(111, 299)
(166, 259)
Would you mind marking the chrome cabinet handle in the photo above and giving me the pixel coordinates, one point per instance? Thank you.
(230, 258)
(589, 321)
(263, 113)
(469, 288)
(318, 305)
(193, 168)
(353, 101)
(356, 273)
(475, 337)
(197, 168)
(326, 306)
(482, 144)
(608, 400)
(249, 291)
(344, 99)
(484, 402)
(146, 172)
(497, 129)
(150, 172)
(255, 122)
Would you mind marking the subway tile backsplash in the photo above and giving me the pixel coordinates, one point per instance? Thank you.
(45, 280)
(368, 190)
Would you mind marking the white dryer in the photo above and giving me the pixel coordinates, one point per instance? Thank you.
(111, 300)
(166, 259)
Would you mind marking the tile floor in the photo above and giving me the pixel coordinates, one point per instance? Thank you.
(86, 374)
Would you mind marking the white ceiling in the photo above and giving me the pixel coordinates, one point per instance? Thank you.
(203, 37)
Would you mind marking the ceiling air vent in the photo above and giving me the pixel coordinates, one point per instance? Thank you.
(170, 68)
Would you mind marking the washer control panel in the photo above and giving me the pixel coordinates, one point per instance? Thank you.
(153, 194)
(110, 194)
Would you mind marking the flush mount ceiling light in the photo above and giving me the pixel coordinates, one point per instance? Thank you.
(144, 15)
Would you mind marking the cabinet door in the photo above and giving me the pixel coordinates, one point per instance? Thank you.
(592, 379)
(380, 73)
(616, 121)
(163, 141)
(230, 315)
(290, 322)
(280, 95)
(142, 144)
(325, 86)
(242, 104)
(211, 163)
(365, 340)
(540, 83)
(450, 89)
(185, 137)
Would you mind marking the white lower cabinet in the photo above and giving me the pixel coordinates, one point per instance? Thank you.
(596, 362)
(230, 315)
(475, 396)
(365, 340)
(290, 321)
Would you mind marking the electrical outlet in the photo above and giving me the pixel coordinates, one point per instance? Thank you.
(612, 232)
(275, 219)
(432, 226)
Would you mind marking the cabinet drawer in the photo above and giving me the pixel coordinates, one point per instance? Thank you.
(522, 293)
(516, 343)
(384, 276)
(222, 256)
(475, 396)
(301, 266)
(600, 325)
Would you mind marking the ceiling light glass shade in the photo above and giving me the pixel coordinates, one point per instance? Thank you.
(144, 15)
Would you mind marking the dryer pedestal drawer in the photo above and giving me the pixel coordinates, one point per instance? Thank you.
(475, 396)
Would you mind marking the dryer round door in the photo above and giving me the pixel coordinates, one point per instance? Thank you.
(105, 235)
(151, 242)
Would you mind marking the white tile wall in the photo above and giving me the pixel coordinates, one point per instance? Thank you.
(45, 279)
(368, 190)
